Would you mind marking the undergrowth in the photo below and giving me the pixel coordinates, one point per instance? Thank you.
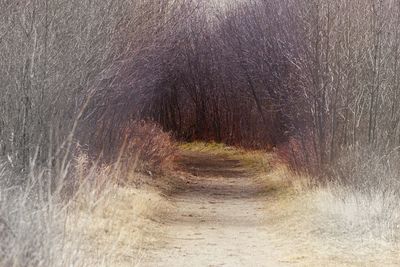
(102, 224)
(90, 213)
(351, 219)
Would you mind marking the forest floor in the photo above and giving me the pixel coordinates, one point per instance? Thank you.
(230, 213)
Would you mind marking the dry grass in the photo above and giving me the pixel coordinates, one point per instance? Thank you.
(373, 217)
(110, 223)
(32, 227)
(102, 224)
(331, 225)
(84, 212)
(115, 228)
(257, 160)
(308, 236)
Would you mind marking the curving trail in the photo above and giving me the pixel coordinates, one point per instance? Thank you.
(219, 220)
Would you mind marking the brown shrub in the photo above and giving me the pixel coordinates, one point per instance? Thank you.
(140, 149)
(146, 147)
(299, 154)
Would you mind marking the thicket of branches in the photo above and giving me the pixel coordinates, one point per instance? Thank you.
(228, 79)
(348, 68)
(318, 79)
(315, 78)
(66, 64)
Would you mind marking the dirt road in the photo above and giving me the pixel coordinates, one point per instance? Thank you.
(219, 219)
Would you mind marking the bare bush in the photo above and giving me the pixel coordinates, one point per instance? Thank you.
(147, 148)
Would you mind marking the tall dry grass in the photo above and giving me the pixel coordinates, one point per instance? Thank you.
(89, 214)
(335, 223)
(363, 194)
(102, 224)
(359, 191)
(33, 224)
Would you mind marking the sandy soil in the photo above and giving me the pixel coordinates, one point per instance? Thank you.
(219, 218)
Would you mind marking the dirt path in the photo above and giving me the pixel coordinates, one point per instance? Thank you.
(219, 220)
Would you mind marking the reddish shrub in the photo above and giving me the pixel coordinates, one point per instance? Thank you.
(146, 147)
(299, 154)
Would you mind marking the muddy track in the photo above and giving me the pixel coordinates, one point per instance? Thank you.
(219, 219)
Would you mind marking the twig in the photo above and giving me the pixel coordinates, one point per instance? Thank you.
(2, 221)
